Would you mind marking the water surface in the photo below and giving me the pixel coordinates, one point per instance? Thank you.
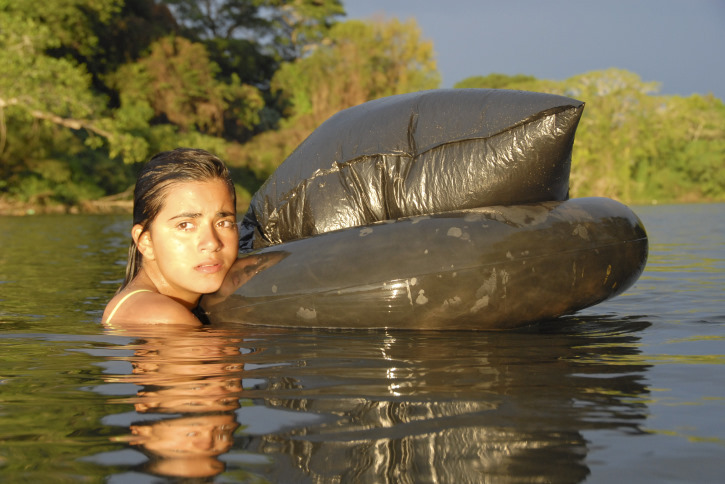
(631, 389)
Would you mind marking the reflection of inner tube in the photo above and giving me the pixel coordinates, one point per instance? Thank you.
(488, 268)
(442, 209)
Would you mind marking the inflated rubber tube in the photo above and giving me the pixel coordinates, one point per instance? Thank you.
(490, 268)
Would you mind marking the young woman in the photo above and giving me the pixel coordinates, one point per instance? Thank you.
(185, 239)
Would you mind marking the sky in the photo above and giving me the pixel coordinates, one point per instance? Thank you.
(678, 43)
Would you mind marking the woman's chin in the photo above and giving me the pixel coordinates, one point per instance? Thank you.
(209, 286)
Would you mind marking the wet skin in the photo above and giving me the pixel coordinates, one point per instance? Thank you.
(187, 252)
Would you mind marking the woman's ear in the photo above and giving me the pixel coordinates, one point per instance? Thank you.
(142, 238)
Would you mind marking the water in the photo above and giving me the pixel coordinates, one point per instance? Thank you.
(630, 390)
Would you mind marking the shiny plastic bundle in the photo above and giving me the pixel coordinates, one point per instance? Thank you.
(443, 209)
(414, 154)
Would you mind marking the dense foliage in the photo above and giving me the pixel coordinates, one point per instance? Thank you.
(633, 144)
(91, 88)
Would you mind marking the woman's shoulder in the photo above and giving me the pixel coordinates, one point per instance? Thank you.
(144, 305)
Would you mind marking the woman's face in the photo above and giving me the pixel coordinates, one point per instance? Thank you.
(193, 241)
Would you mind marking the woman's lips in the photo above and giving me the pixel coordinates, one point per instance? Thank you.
(209, 267)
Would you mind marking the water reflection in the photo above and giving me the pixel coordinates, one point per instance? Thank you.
(190, 388)
(315, 406)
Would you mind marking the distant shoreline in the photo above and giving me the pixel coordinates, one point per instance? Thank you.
(17, 208)
(109, 206)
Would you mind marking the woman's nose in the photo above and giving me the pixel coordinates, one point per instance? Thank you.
(210, 240)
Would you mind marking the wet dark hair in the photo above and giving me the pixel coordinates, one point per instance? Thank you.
(162, 171)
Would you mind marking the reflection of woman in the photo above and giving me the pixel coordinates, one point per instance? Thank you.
(186, 446)
(190, 389)
(185, 239)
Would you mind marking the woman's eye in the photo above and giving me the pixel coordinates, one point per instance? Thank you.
(227, 224)
(185, 226)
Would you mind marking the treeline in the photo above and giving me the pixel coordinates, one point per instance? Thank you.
(91, 88)
(635, 145)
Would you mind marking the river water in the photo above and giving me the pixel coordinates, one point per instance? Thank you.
(630, 390)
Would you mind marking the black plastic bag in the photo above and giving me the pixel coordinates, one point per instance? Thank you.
(414, 154)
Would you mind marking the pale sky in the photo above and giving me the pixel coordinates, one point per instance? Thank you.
(678, 43)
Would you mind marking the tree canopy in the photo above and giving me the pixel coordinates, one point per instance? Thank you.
(633, 144)
(91, 88)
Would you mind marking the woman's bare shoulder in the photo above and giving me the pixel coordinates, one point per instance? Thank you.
(143, 306)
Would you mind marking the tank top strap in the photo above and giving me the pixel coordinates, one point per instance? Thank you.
(123, 300)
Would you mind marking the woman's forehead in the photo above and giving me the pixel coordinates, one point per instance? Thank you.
(204, 195)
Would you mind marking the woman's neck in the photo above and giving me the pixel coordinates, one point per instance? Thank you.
(150, 278)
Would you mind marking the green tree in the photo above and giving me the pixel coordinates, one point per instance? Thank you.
(285, 26)
(300, 25)
(69, 25)
(248, 39)
(690, 149)
(496, 81)
(178, 82)
(358, 62)
(49, 112)
(633, 144)
(637, 146)
(251, 37)
(40, 85)
(609, 147)
(230, 30)
(92, 87)
(127, 37)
